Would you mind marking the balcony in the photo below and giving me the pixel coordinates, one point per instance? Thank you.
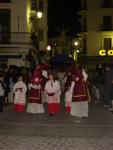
(108, 27)
(5, 1)
(106, 5)
(15, 38)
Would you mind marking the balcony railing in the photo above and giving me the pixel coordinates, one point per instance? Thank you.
(5, 1)
(15, 38)
(106, 5)
(106, 27)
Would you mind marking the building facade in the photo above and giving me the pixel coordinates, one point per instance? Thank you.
(17, 29)
(96, 26)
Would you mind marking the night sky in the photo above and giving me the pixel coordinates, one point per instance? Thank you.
(63, 13)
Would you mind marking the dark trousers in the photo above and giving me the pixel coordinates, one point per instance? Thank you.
(1, 103)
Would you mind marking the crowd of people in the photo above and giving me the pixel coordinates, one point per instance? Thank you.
(102, 84)
(8, 77)
(28, 90)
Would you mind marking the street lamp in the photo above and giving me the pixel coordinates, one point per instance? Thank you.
(34, 20)
(76, 43)
(39, 14)
(76, 51)
(49, 50)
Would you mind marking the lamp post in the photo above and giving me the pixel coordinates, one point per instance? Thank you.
(34, 20)
(49, 50)
(39, 16)
(76, 51)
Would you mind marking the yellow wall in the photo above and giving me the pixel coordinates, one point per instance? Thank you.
(94, 16)
(18, 16)
(20, 12)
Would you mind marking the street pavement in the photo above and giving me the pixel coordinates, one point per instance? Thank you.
(22, 131)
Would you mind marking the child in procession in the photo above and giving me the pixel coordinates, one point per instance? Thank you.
(19, 90)
(52, 88)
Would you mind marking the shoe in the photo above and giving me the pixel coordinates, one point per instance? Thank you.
(51, 114)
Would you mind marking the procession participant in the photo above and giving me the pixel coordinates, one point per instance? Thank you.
(68, 97)
(35, 93)
(67, 79)
(44, 80)
(52, 88)
(69, 76)
(61, 79)
(2, 90)
(79, 105)
(19, 90)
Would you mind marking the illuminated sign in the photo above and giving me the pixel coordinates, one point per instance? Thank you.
(104, 52)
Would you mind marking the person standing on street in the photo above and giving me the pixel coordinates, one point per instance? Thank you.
(68, 97)
(52, 88)
(35, 105)
(79, 105)
(2, 90)
(19, 90)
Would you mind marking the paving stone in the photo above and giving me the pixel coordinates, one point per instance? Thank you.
(62, 132)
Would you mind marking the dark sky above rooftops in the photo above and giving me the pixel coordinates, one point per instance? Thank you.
(63, 13)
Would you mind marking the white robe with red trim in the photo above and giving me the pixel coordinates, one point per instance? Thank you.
(55, 88)
(20, 90)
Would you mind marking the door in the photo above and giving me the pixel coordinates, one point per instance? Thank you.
(107, 43)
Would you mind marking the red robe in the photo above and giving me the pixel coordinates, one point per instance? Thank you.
(80, 91)
(35, 95)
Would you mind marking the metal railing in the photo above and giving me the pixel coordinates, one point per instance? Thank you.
(15, 38)
(106, 27)
(106, 5)
(5, 1)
